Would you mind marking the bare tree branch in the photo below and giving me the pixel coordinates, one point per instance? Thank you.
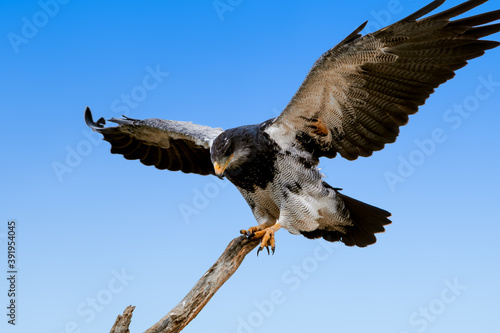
(201, 293)
(123, 321)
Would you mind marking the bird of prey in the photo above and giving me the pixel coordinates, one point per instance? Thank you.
(352, 102)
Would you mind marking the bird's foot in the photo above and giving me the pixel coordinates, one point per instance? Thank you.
(265, 234)
(252, 230)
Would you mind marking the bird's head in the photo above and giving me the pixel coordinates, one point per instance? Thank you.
(231, 149)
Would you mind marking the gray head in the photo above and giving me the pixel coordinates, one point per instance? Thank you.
(234, 147)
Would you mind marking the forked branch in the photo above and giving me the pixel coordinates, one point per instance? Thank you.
(202, 292)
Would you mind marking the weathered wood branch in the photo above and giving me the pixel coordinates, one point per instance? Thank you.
(202, 292)
(123, 321)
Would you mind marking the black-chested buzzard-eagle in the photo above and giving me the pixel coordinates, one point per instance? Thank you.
(352, 103)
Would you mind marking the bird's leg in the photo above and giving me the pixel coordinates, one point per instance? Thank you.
(268, 238)
(266, 233)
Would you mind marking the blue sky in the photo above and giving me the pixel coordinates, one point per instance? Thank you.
(97, 232)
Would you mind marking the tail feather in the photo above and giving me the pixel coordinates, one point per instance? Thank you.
(367, 221)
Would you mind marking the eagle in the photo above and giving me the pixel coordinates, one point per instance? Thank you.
(351, 103)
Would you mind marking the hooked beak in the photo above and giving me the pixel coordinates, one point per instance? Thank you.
(220, 168)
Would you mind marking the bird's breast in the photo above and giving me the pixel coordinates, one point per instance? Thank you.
(259, 168)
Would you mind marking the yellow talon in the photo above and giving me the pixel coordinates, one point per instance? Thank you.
(252, 230)
(266, 235)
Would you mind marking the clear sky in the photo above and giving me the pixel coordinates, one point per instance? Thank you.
(97, 232)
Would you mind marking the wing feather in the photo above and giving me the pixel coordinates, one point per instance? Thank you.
(166, 144)
(365, 88)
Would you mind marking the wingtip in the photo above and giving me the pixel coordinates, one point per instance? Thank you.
(457, 10)
(355, 34)
(362, 26)
(423, 11)
(90, 121)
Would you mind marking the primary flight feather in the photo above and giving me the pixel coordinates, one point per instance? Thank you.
(352, 102)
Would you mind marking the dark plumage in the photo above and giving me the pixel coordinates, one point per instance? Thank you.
(255, 166)
(166, 144)
(352, 102)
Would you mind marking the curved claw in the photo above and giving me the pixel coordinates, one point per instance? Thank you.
(265, 234)
(261, 248)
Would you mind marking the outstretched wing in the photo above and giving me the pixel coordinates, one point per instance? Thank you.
(358, 94)
(166, 144)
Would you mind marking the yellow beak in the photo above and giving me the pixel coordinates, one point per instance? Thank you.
(219, 169)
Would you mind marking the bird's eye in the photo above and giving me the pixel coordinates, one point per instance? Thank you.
(227, 150)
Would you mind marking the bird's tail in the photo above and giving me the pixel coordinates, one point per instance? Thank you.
(367, 220)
